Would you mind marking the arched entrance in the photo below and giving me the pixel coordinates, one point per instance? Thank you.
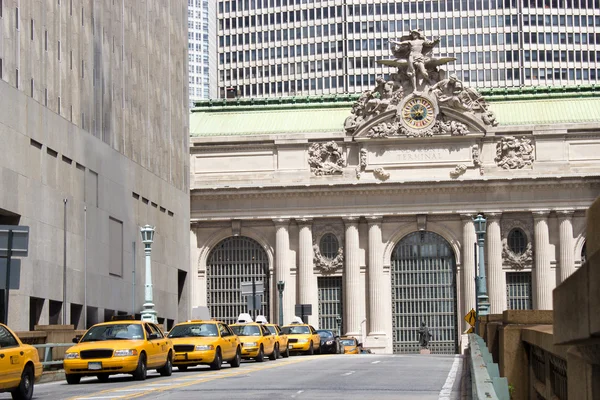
(235, 260)
(424, 289)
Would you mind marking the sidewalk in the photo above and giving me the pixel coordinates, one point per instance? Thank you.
(52, 376)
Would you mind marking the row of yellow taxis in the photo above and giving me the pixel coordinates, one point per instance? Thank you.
(133, 347)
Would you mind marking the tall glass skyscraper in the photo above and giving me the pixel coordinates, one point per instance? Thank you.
(201, 49)
(271, 48)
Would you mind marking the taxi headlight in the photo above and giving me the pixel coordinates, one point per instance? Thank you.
(125, 353)
(201, 347)
(329, 342)
(302, 340)
(71, 356)
(250, 344)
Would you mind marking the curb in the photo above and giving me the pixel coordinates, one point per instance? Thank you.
(52, 376)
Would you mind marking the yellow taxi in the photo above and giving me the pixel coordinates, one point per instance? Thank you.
(350, 345)
(205, 343)
(119, 347)
(257, 340)
(302, 338)
(282, 340)
(20, 365)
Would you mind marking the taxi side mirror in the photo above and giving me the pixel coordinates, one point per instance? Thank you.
(76, 340)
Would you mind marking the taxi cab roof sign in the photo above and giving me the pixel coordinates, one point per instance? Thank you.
(244, 318)
(261, 319)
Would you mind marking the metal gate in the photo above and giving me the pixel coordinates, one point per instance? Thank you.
(330, 303)
(424, 290)
(518, 290)
(234, 260)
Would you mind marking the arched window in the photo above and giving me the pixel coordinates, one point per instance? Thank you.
(517, 241)
(329, 246)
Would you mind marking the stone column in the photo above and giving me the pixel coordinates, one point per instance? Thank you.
(376, 317)
(306, 278)
(542, 288)
(352, 307)
(282, 269)
(468, 263)
(496, 279)
(566, 264)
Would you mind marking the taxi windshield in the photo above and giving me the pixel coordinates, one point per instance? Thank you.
(325, 334)
(194, 330)
(246, 330)
(295, 330)
(114, 332)
(348, 342)
(272, 330)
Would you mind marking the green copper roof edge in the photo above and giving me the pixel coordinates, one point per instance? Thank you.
(346, 100)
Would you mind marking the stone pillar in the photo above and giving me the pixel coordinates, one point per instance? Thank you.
(376, 317)
(468, 264)
(496, 279)
(352, 307)
(282, 269)
(542, 288)
(306, 279)
(566, 264)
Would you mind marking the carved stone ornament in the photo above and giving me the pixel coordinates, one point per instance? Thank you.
(326, 265)
(381, 174)
(514, 152)
(522, 221)
(517, 261)
(458, 171)
(326, 158)
(425, 102)
(362, 163)
(476, 155)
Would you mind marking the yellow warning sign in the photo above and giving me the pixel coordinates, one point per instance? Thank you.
(470, 317)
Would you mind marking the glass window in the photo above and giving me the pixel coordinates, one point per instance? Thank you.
(517, 241)
(6, 338)
(329, 246)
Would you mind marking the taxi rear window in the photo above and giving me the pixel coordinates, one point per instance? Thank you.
(245, 330)
(295, 330)
(194, 330)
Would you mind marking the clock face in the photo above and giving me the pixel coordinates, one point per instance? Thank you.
(418, 113)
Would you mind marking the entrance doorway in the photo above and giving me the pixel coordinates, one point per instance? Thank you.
(424, 290)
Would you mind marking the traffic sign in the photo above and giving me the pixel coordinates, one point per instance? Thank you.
(471, 317)
(15, 273)
(303, 309)
(20, 240)
(250, 288)
(254, 302)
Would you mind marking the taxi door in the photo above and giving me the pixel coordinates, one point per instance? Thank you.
(159, 345)
(269, 339)
(229, 344)
(152, 347)
(11, 360)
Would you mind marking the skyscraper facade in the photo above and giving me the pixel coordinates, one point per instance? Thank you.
(201, 49)
(305, 47)
(94, 133)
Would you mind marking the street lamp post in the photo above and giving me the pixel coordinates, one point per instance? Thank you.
(483, 304)
(148, 313)
(280, 287)
(338, 320)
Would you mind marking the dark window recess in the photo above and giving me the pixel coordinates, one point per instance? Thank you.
(135, 195)
(51, 152)
(79, 166)
(517, 241)
(145, 200)
(162, 209)
(170, 213)
(35, 144)
(154, 205)
(67, 160)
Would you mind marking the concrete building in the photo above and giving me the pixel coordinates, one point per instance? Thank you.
(94, 128)
(274, 48)
(364, 205)
(202, 51)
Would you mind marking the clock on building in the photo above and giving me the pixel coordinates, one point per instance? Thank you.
(418, 113)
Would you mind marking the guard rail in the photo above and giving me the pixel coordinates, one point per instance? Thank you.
(486, 382)
(48, 347)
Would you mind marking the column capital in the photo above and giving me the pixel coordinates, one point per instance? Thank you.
(351, 220)
(281, 221)
(374, 219)
(467, 215)
(304, 221)
(540, 214)
(565, 214)
(493, 215)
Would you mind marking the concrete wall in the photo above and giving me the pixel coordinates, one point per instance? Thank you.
(117, 146)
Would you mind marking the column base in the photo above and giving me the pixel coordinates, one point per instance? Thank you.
(149, 313)
(424, 351)
(378, 343)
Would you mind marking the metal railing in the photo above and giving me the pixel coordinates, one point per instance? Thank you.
(486, 382)
(47, 360)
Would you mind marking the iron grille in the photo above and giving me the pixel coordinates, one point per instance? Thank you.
(424, 289)
(234, 260)
(183, 348)
(558, 377)
(538, 363)
(330, 302)
(518, 290)
(92, 354)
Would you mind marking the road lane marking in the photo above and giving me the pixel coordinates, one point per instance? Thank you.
(179, 382)
(447, 388)
(297, 393)
(348, 373)
(376, 362)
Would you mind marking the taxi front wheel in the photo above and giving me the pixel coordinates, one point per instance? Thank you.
(275, 354)
(311, 349)
(25, 389)
(167, 369)
(261, 355)
(140, 372)
(72, 379)
(216, 364)
(237, 360)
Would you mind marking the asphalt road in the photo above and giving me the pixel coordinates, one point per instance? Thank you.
(347, 377)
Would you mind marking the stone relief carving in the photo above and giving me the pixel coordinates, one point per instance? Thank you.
(325, 158)
(362, 163)
(336, 229)
(418, 76)
(517, 261)
(514, 152)
(521, 221)
(381, 174)
(325, 264)
(458, 171)
(476, 155)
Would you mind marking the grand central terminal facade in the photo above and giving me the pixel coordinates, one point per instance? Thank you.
(363, 206)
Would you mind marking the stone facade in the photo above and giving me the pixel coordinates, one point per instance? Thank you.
(413, 155)
(93, 109)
